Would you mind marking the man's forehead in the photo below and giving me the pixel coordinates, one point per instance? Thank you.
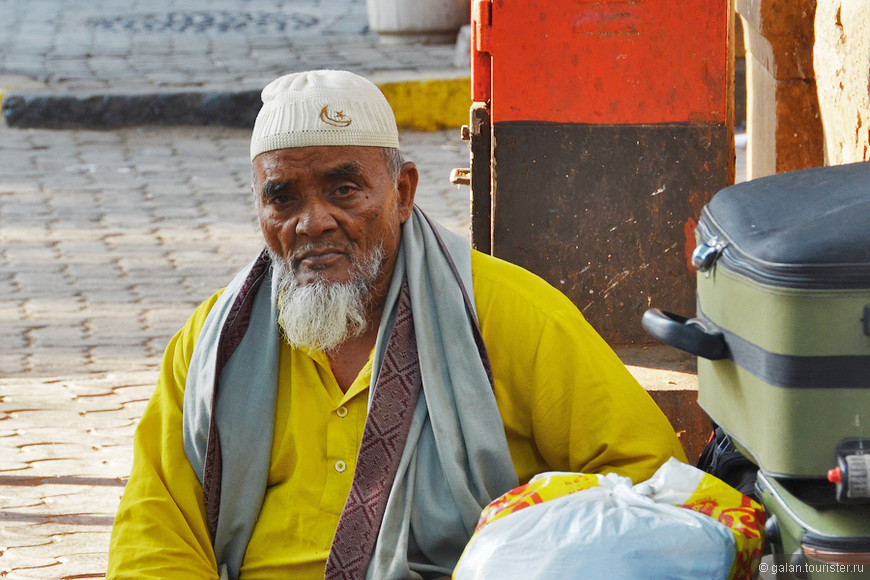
(322, 162)
(321, 156)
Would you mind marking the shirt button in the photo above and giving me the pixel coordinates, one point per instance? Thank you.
(341, 412)
(340, 466)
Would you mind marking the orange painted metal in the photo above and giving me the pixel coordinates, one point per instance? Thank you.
(481, 45)
(601, 61)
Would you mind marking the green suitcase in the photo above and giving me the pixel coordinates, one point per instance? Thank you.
(783, 323)
(782, 333)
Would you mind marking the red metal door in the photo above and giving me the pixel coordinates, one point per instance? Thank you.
(608, 128)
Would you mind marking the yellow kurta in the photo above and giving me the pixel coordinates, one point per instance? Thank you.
(566, 401)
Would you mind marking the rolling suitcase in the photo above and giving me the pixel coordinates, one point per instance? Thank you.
(783, 322)
(782, 335)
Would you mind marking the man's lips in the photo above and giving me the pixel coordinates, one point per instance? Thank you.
(319, 258)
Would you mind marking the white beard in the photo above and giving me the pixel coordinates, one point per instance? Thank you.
(322, 315)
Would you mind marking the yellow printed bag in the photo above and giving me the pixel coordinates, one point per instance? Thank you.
(681, 523)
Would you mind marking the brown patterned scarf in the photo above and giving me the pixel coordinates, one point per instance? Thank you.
(383, 441)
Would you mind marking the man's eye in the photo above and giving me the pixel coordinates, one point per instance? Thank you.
(279, 199)
(345, 190)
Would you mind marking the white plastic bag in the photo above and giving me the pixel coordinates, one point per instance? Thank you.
(611, 530)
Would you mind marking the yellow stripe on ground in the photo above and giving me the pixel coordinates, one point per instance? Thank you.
(428, 105)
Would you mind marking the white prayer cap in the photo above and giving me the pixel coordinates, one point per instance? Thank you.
(323, 107)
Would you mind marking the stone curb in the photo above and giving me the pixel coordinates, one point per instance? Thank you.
(420, 104)
(52, 111)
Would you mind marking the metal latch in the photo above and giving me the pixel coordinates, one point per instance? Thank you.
(460, 176)
(705, 254)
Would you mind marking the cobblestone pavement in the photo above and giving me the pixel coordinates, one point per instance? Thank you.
(108, 240)
(110, 46)
(65, 446)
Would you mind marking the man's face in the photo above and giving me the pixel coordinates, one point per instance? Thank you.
(324, 208)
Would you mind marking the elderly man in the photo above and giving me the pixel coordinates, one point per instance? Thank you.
(348, 404)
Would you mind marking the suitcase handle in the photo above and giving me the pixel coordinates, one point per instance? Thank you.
(688, 334)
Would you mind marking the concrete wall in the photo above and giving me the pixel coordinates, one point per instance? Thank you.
(842, 62)
(808, 83)
(783, 120)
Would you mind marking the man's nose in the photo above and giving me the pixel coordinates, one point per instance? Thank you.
(314, 219)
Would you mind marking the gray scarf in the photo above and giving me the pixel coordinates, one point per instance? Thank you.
(421, 509)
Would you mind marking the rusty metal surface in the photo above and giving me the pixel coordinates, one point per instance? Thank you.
(481, 175)
(606, 213)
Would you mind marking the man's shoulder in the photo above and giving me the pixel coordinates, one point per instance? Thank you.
(497, 281)
(191, 329)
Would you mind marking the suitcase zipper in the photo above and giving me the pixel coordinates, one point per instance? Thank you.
(843, 276)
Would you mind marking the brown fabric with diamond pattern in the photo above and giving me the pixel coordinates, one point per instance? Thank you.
(384, 435)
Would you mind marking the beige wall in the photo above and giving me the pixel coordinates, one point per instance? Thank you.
(808, 83)
(782, 112)
(842, 63)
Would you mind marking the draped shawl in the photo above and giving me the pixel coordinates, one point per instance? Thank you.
(433, 451)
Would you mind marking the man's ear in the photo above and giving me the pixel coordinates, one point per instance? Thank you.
(406, 185)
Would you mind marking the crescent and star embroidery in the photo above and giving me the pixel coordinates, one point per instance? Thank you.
(334, 118)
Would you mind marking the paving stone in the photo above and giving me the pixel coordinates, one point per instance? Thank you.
(22, 565)
(57, 362)
(57, 335)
